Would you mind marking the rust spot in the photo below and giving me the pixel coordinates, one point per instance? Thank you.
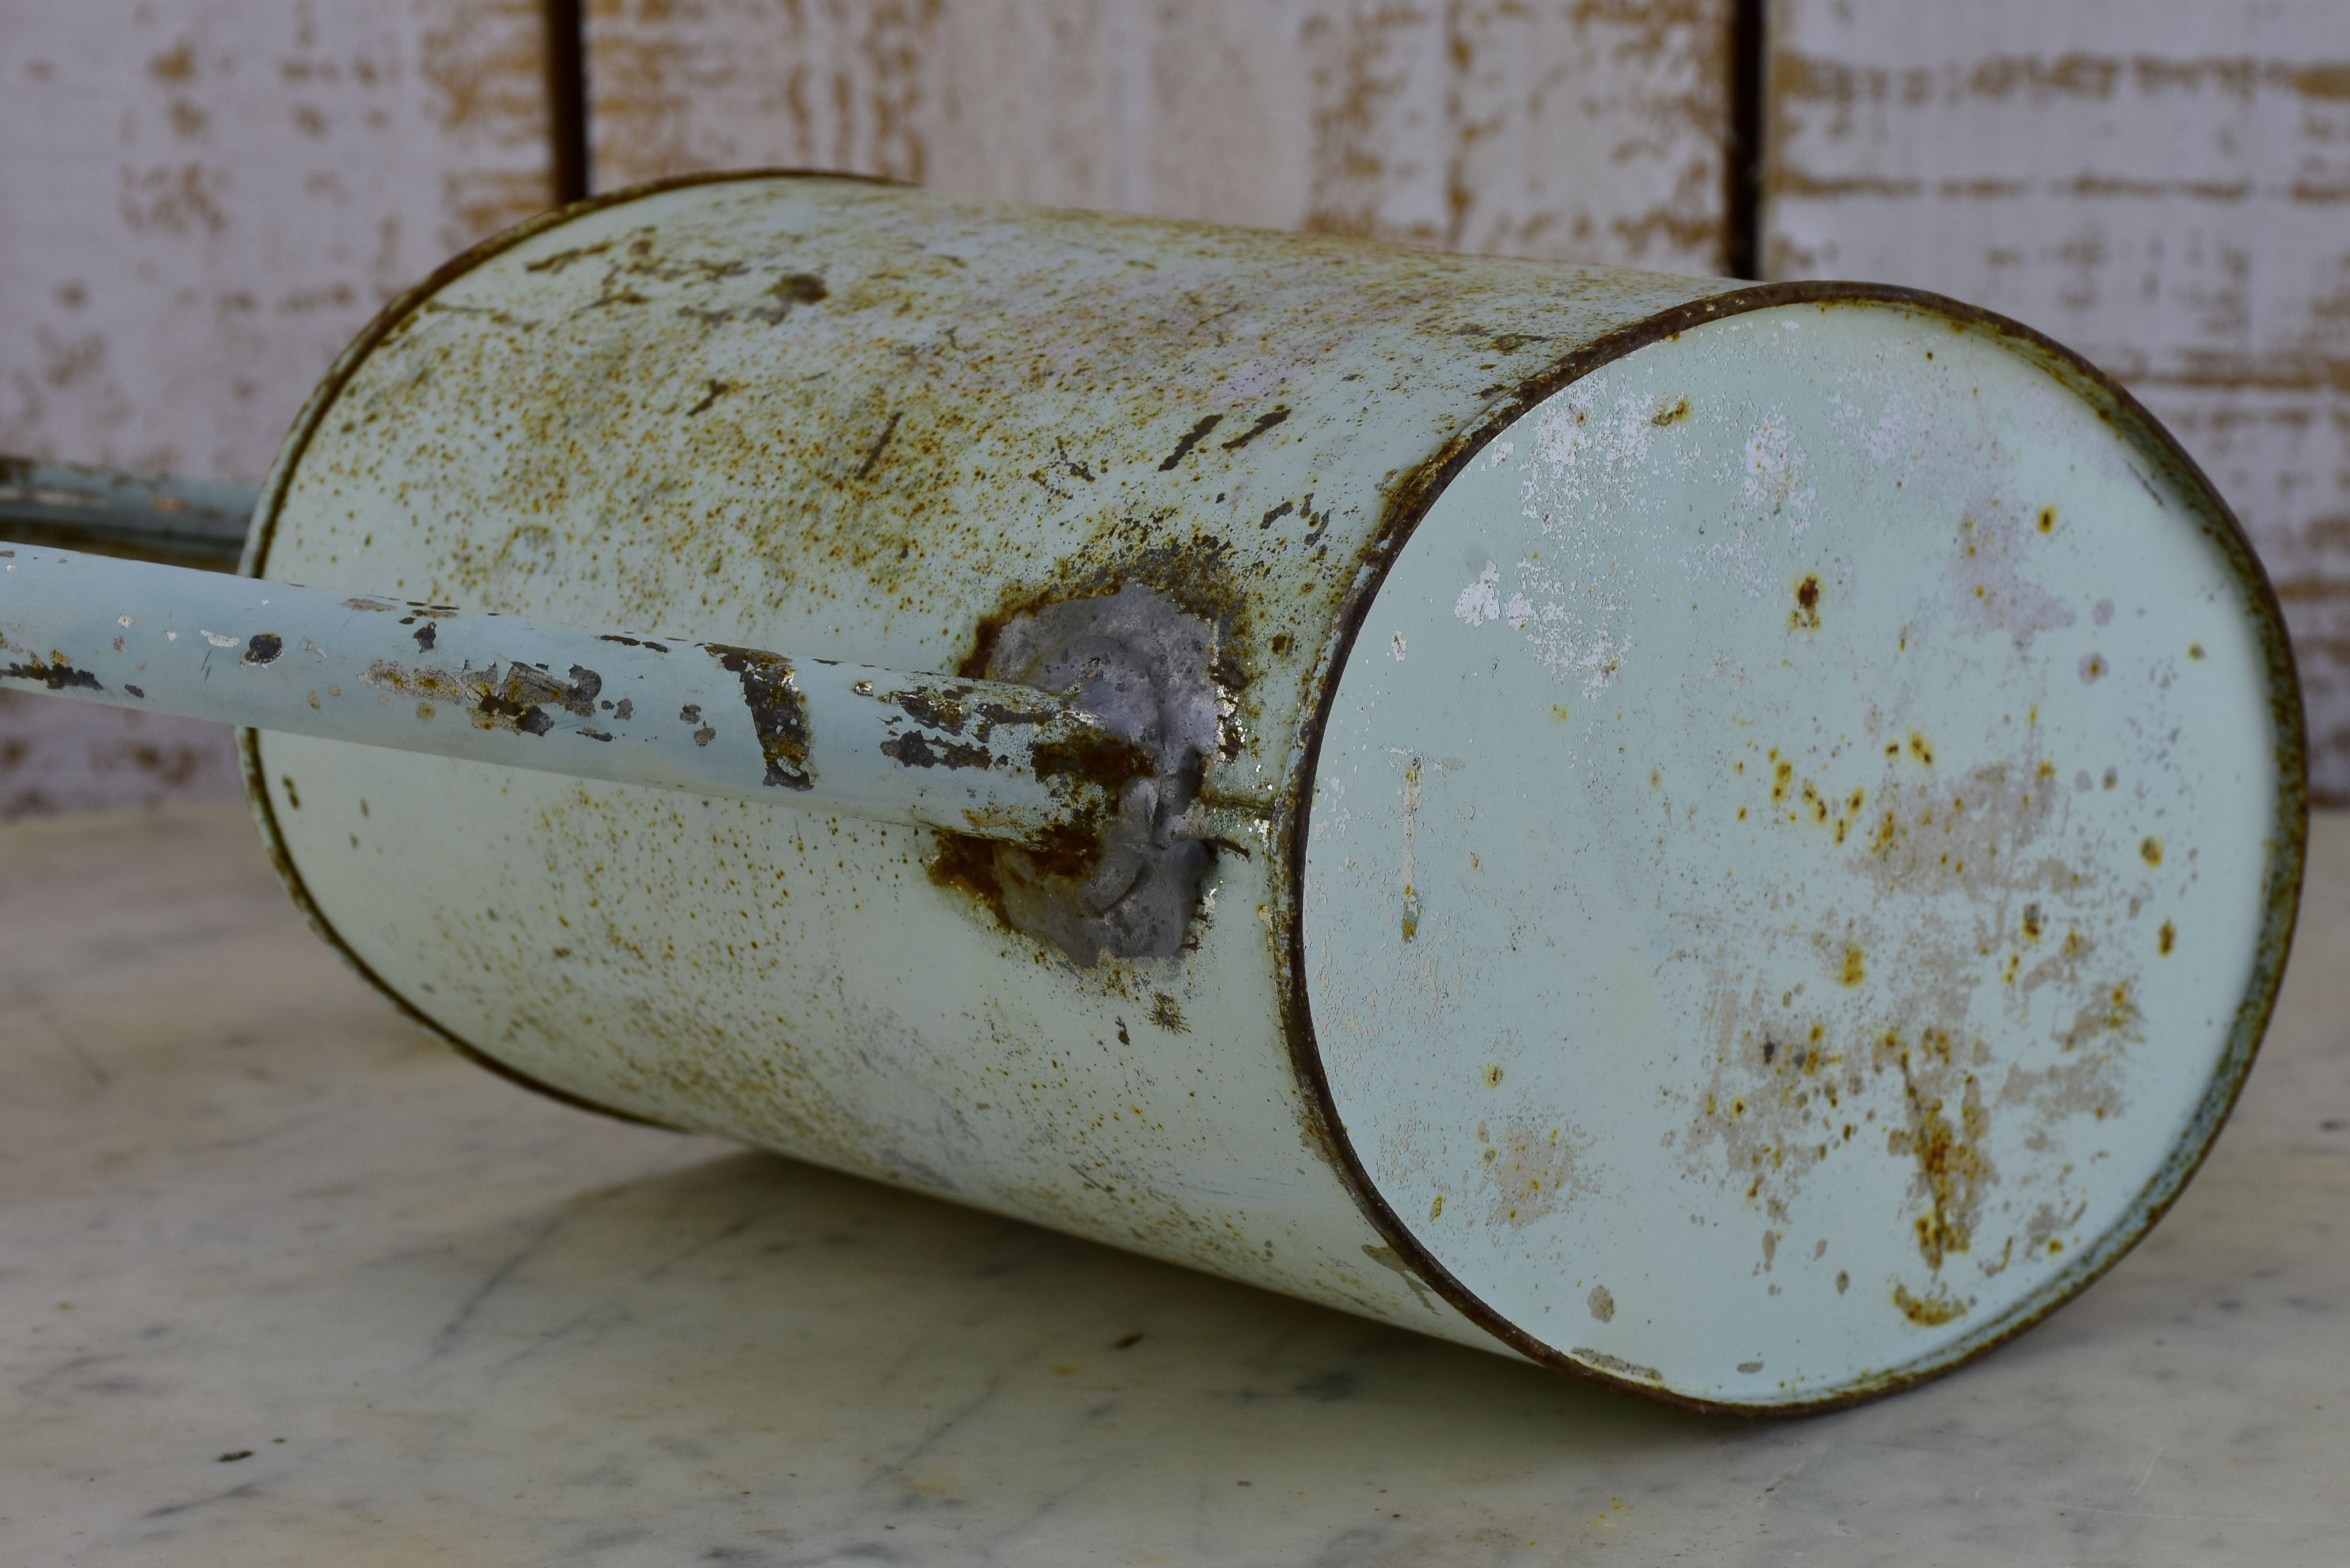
(2048, 520)
(1951, 1165)
(562, 259)
(1677, 414)
(513, 698)
(792, 288)
(1192, 438)
(1854, 970)
(53, 673)
(1616, 1364)
(1165, 1014)
(1263, 423)
(1930, 1310)
(1110, 761)
(2150, 851)
(1999, 596)
(777, 716)
(966, 862)
(1805, 616)
(2167, 939)
(939, 708)
(872, 459)
(2115, 1012)
(915, 750)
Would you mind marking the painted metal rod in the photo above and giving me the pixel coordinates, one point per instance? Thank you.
(183, 522)
(983, 757)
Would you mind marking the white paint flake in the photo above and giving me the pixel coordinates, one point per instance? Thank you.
(1774, 467)
(1481, 601)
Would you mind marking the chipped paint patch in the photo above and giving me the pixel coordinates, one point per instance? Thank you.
(772, 698)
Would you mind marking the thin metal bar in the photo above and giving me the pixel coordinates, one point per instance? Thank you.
(195, 522)
(1744, 152)
(567, 101)
(983, 757)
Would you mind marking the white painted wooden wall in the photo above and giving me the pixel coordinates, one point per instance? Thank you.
(200, 200)
(1552, 127)
(201, 203)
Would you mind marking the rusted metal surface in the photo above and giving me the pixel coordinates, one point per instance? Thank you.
(1342, 480)
(202, 203)
(1556, 128)
(2173, 202)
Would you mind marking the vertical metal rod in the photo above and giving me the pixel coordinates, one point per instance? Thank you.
(567, 101)
(983, 757)
(1744, 152)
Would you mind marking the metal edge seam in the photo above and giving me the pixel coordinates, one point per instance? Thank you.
(1415, 494)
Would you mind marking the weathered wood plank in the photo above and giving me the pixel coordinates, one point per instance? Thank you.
(77, 756)
(201, 203)
(1589, 130)
(2163, 186)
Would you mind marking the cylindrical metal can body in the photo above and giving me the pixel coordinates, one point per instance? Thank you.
(1753, 830)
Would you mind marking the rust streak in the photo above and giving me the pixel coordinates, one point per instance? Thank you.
(777, 714)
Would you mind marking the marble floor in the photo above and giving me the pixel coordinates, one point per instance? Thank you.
(282, 1280)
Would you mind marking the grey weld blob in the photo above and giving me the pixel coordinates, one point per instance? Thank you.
(1138, 663)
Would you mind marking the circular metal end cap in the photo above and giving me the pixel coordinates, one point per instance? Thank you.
(1801, 853)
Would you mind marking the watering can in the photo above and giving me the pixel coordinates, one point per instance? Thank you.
(1734, 840)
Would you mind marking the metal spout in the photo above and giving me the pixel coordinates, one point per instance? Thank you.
(988, 758)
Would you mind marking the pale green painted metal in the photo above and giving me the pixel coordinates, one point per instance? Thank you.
(1789, 853)
(1448, 916)
(665, 711)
